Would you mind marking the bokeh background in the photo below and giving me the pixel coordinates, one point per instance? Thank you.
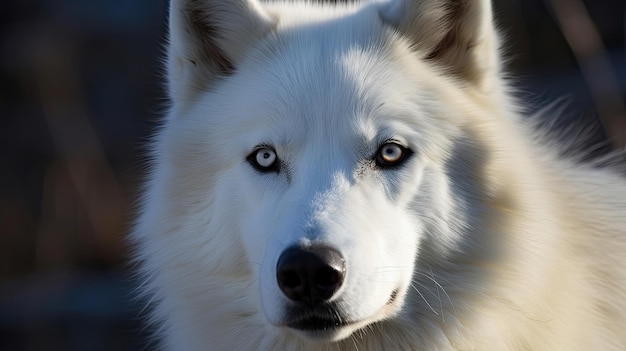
(80, 90)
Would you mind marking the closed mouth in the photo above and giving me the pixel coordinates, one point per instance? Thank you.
(316, 324)
(325, 318)
(321, 318)
(321, 328)
(326, 321)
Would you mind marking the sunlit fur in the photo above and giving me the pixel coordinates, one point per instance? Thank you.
(487, 239)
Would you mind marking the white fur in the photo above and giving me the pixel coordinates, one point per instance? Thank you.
(491, 241)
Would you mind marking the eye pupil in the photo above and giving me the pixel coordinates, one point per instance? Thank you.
(391, 154)
(264, 160)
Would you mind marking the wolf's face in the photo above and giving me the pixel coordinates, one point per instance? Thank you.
(324, 151)
(329, 183)
(331, 178)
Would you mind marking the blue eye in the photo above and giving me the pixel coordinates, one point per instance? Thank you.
(264, 160)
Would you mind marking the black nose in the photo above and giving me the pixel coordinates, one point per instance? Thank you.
(310, 275)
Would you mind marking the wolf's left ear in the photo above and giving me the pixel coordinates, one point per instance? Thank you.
(457, 34)
(207, 38)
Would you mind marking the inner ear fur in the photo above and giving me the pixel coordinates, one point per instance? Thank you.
(207, 38)
(457, 35)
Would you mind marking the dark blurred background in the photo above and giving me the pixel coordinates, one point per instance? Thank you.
(80, 91)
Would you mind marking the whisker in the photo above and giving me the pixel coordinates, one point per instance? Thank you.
(423, 298)
(439, 286)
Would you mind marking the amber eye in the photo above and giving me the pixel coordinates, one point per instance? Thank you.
(264, 160)
(391, 155)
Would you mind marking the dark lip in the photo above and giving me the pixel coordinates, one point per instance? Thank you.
(321, 318)
(316, 324)
(326, 317)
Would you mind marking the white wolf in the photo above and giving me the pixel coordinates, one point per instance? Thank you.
(357, 177)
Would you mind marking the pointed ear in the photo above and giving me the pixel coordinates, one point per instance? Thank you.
(456, 34)
(207, 38)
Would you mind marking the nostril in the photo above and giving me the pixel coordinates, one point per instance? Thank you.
(289, 279)
(310, 275)
(327, 277)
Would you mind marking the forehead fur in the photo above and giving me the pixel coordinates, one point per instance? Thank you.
(306, 81)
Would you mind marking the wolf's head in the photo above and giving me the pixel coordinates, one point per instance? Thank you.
(314, 169)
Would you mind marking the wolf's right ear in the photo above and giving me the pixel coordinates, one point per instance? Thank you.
(207, 38)
(458, 35)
